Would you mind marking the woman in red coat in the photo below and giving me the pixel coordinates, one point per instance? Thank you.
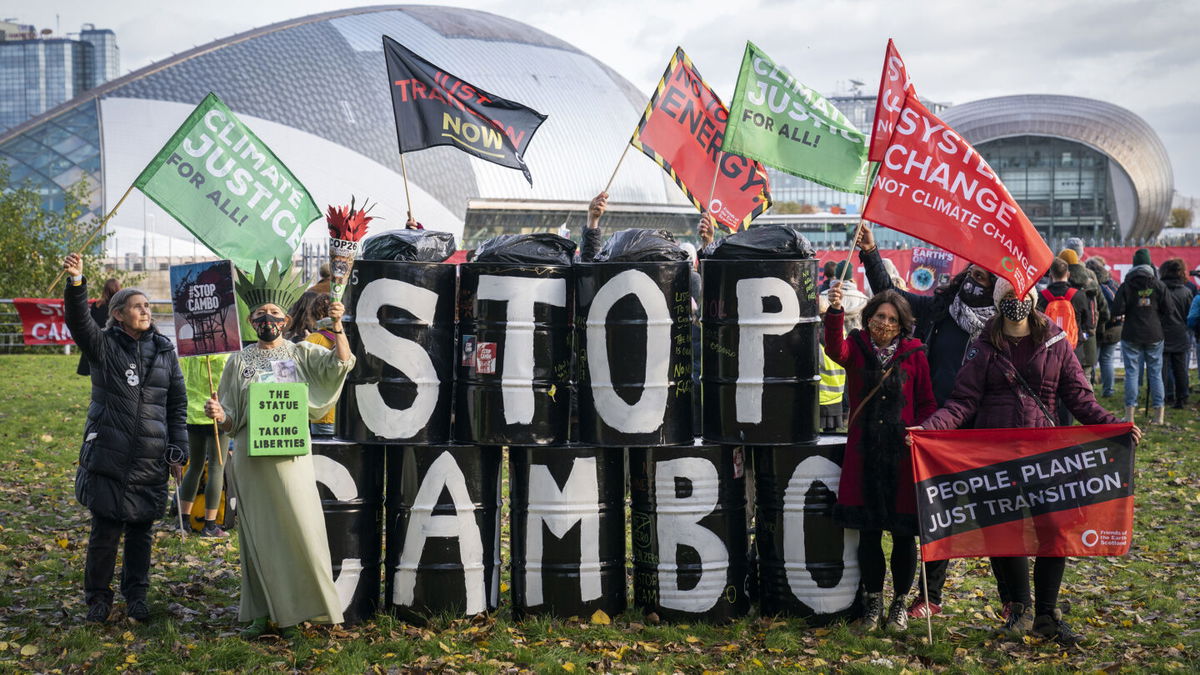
(1018, 345)
(887, 378)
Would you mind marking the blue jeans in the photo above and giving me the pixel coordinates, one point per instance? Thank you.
(1108, 369)
(1151, 357)
(315, 429)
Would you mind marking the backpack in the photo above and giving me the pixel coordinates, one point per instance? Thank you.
(1060, 310)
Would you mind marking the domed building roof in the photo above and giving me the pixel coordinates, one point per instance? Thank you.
(1109, 129)
(315, 89)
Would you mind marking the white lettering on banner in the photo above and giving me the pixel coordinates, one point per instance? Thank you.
(754, 324)
(800, 580)
(333, 475)
(679, 525)
(50, 331)
(647, 414)
(443, 474)
(406, 356)
(577, 502)
(520, 295)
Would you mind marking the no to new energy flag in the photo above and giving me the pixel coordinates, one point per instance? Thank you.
(1050, 491)
(934, 185)
(682, 131)
(226, 187)
(433, 107)
(894, 87)
(784, 124)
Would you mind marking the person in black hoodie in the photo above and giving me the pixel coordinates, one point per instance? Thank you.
(1175, 332)
(1141, 299)
(947, 322)
(136, 427)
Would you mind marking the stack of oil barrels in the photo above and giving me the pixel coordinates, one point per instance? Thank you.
(584, 372)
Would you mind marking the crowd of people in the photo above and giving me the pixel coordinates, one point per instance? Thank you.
(970, 354)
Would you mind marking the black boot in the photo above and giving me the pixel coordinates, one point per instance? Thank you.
(872, 617)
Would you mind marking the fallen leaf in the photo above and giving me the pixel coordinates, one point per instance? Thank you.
(599, 617)
(47, 438)
(568, 666)
(29, 650)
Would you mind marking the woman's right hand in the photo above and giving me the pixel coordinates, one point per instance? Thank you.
(908, 437)
(73, 265)
(214, 410)
(834, 295)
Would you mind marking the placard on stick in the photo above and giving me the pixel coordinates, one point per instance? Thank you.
(278, 423)
(205, 307)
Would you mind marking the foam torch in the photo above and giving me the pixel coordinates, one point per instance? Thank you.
(347, 226)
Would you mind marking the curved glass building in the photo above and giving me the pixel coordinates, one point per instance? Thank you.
(316, 90)
(1078, 167)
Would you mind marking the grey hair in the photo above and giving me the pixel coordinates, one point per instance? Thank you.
(118, 302)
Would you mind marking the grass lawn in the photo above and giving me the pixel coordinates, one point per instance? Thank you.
(1138, 612)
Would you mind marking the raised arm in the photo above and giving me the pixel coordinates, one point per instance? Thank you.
(591, 233)
(84, 331)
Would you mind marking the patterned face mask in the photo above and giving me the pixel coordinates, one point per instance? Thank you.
(268, 328)
(1016, 310)
(974, 295)
(882, 332)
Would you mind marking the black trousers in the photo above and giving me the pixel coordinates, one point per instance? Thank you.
(1012, 580)
(935, 570)
(1175, 376)
(102, 559)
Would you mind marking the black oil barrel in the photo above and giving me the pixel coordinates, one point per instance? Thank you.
(762, 352)
(635, 353)
(514, 361)
(443, 530)
(808, 565)
(350, 482)
(568, 530)
(400, 325)
(688, 527)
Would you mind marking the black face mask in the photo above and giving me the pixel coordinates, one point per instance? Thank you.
(974, 295)
(268, 328)
(1016, 310)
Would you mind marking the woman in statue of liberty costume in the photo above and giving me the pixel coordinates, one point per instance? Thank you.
(287, 575)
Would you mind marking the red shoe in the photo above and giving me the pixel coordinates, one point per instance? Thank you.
(922, 608)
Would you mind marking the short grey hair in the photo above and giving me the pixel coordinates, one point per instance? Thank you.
(118, 302)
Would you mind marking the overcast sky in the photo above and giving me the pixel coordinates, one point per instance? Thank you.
(1144, 56)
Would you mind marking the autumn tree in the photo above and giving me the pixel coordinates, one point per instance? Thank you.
(1180, 217)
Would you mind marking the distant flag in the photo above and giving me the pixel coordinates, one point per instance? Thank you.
(433, 107)
(894, 86)
(682, 131)
(782, 123)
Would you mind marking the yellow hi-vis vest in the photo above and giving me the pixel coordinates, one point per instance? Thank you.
(833, 381)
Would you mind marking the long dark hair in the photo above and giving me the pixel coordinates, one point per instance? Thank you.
(110, 289)
(308, 310)
(1173, 270)
(893, 298)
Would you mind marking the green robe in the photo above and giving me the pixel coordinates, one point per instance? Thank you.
(286, 568)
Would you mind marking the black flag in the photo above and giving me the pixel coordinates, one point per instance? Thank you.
(433, 107)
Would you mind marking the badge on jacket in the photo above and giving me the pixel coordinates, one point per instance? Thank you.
(131, 376)
(972, 353)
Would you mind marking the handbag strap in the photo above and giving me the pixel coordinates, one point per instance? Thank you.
(1028, 390)
(896, 360)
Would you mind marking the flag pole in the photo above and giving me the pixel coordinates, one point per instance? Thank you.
(95, 232)
(712, 190)
(925, 592)
(216, 430)
(847, 272)
(618, 166)
(404, 175)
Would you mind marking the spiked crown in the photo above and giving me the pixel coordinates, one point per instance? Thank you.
(281, 286)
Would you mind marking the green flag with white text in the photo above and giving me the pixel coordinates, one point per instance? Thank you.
(784, 124)
(226, 187)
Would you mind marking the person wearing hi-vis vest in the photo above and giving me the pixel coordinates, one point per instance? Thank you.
(286, 570)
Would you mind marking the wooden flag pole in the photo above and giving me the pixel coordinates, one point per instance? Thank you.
(925, 592)
(712, 190)
(847, 271)
(618, 166)
(404, 175)
(216, 430)
(95, 232)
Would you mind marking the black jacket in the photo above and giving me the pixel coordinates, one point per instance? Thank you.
(139, 406)
(1141, 299)
(946, 341)
(1178, 301)
(99, 314)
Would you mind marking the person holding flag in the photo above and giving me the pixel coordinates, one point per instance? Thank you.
(1015, 374)
(889, 389)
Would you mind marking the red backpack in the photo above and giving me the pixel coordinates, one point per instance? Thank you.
(1060, 310)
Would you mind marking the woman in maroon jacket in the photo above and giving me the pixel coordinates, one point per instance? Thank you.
(889, 388)
(1020, 345)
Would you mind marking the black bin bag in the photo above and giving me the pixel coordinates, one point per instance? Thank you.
(763, 242)
(408, 246)
(540, 248)
(641, 245)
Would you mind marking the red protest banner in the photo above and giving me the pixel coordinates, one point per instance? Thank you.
(1050, 491)
(894, 86)
(934, 185)
(682, 130)
(43, 321)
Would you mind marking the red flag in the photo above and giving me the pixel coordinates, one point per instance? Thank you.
(43, 321)
(682, 130)
(933, 185)
(1050, 491)
(894, 86)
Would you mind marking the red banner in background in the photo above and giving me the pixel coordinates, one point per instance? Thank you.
(894, 86)
(934, 186)
(909, 264)
(682, 130)
(1051, 491)
(43, 321)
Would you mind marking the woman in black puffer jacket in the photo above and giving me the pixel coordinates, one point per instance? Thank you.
(137, 420)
